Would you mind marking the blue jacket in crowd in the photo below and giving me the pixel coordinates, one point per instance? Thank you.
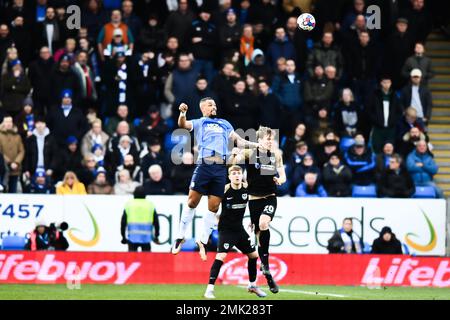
(421, 175)
(303, 191)
(289, 93)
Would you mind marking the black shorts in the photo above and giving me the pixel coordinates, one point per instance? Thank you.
(238, 239)
(266, 206)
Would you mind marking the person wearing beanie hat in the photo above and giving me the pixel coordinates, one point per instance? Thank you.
(26, 119)
(100, 184)
(39, 183)
(15, 87)
(337, 177)
(386, 243)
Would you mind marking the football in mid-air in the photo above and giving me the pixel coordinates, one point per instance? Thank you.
(306, 22)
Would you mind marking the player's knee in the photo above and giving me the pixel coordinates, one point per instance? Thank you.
(192, 203)
(213, 207)
(263, 225)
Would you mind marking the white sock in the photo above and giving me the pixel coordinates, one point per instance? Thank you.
(186, 218)
(210, 287)
(252, 284)
(209, 224)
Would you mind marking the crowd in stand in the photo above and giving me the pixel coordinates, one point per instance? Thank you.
(92, 110)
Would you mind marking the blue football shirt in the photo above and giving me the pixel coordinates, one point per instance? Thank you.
(212, 136)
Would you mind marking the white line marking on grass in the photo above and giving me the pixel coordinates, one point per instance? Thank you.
(308, 292)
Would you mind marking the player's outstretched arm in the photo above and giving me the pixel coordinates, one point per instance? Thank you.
(242, 143)
(280, 169)
(182, 121)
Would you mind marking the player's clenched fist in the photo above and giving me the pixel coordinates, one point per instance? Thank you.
(183, 107)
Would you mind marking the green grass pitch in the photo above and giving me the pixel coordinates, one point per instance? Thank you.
(222, 292)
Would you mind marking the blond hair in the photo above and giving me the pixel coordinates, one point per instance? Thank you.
(234, 168)
(264, 131)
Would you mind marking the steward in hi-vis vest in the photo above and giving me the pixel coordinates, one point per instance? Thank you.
(139, 219)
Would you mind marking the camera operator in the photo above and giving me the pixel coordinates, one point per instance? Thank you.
(46, 237)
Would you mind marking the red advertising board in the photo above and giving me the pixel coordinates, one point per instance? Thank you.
(185, 268)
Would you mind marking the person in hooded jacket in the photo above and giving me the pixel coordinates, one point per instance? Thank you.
(258, 67)
(386, 243)
(337, 177)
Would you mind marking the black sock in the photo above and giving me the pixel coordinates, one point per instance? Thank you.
(263, 249)
(252, 269)
(215, 269)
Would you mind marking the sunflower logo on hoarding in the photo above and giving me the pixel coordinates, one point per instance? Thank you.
(433, 237)
(86, 243)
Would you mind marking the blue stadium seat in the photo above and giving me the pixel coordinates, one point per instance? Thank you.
(189, 245)
(13, 243)
(369, 191)
(425, 192)
(136, 122)
(346, 143)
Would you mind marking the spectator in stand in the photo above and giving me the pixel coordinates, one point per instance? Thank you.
(41, 150)
(15, 86)
(70, 185)
(422, 167)
(247, 44)
(419, 61)
(318, 92)
(362, 66)
(155, 155)
(125, 185)
(337, 177)
(50, 32)
(12, 149)
(409, 141)
(395, 181)
(40, 81)
(152, 126)
(230, 33)
(288, 87)
(204, 42)
(93, 17)
(292, 140)
(86, 80)
(116, 157)
(386, 243)
(94, 136)
(26, 119)
(88, 169)
(39, 184)
(12, 55)
(310, 187)
(121, 78)
(240, 108)
(345, 240)
(407, 121)
(5, 41)
(418, 13)
(181, 174)
(133, 168)
(258, 68)
(398, 47)
(299, 171)
(201, 91)
(222, 85)
(281, 46)
(133, 22)
(348, 116)
(382, 159)
(69, 158)
(418, 96)
(122, 114)
(106, 34)
(122, 130)
(66, 119)
(157, 184)
(384, 111)
(269, 107)
(22, 38)
(152, 36)
(181, 82)
(361, 161)
(116, 46)
(178, 22)
(298, 39)
(350, 17)
(320, 124)
(325, 150)
(100, 184)
(295, 158)
(63, 77)
(325, 54)
(68, 50)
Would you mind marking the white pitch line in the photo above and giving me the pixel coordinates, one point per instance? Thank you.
(308, 292)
